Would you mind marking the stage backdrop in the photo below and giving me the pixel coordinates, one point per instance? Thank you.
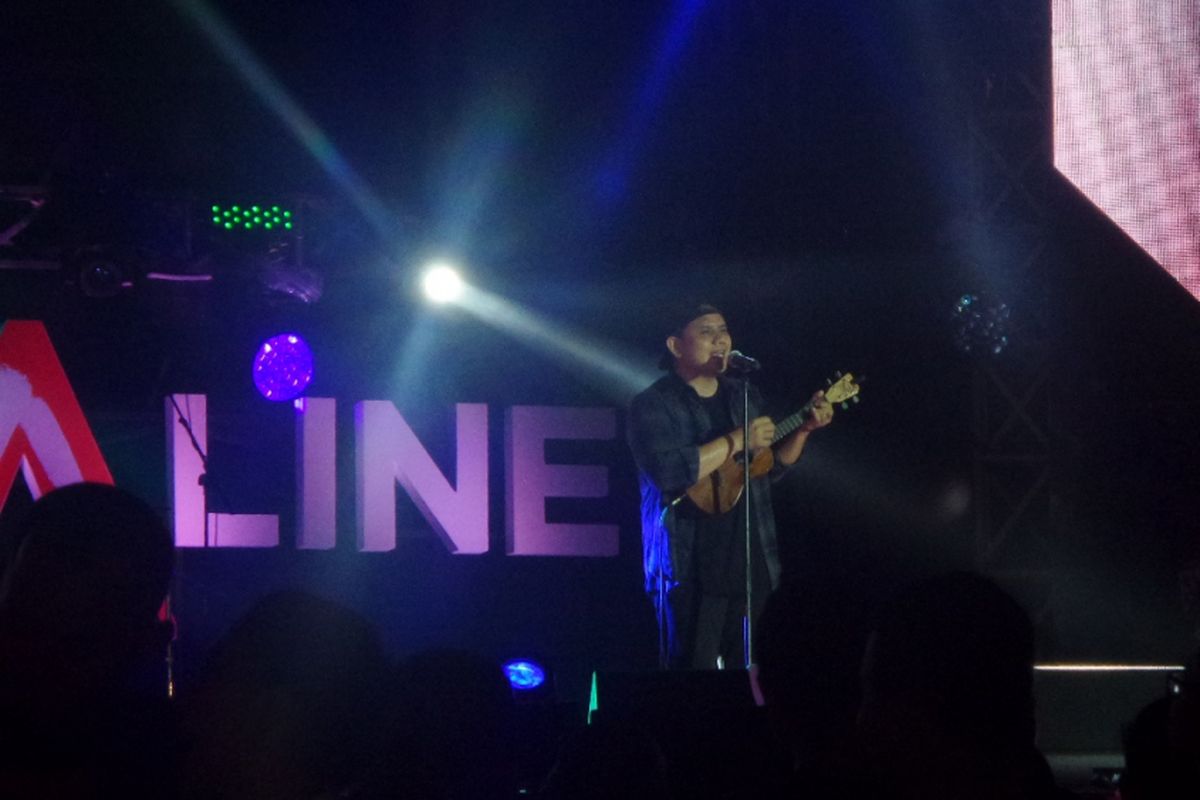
(465, 483)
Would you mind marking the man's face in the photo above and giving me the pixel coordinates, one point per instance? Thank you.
(703, 346)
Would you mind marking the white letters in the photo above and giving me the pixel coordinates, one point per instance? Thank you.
(530, 480)
(194, 526)
(316, 473)
(388, 452)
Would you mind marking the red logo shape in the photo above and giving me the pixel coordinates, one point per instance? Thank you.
(42, 427)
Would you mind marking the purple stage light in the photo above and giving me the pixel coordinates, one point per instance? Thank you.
(283, 367)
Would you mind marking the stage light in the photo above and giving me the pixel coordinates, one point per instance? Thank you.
(253, 217)
(981, 324)
(101, 273)
(103, 278)
(442, 284)
(283, 367)
(293, 281)
(615, 371)
(524, 675)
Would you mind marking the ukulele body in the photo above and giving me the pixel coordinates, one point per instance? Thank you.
(718, 492)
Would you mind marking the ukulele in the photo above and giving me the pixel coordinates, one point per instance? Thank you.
(719, 491)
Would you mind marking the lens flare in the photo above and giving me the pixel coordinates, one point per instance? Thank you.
(442, 284)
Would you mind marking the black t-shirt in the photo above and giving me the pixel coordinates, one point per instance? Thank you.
(719, 417)
(720, 550)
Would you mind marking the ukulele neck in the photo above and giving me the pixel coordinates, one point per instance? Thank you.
(788, 425)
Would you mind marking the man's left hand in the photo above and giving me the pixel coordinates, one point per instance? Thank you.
(822, 413)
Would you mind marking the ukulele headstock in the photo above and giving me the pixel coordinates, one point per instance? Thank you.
(842, 388)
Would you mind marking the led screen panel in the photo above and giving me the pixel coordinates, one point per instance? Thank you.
(1127, 119)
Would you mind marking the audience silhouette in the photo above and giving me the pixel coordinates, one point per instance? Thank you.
(1162, 744)
(810, 644)
(83, 708)
(299, 700)
(455, 715)
(291, 704)
(605, 760)
(948, 706)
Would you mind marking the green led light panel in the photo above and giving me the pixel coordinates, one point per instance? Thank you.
(250, 218)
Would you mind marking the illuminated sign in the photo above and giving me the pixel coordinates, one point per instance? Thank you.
(43, 431)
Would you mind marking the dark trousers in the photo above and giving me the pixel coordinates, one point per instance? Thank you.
(698, 627)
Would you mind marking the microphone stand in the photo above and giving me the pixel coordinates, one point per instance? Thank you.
(747, 621)
(205, 482)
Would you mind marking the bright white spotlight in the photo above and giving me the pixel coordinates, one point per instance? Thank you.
(442, 284)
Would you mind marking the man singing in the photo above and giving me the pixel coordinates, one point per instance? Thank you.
(681, 429)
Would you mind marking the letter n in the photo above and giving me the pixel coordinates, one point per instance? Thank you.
(388, 452)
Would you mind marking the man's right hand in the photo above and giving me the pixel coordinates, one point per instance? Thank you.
(762, 434)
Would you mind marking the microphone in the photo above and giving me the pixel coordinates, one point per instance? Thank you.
(742, 362)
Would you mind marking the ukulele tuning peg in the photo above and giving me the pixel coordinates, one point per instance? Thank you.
(854, 399)
(828, 382)
(837, 375)
(845, 406)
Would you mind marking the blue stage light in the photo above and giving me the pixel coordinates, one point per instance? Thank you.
(524, 676)
(283, 367)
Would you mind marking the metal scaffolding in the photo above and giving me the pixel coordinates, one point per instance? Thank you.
(1021, 456)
